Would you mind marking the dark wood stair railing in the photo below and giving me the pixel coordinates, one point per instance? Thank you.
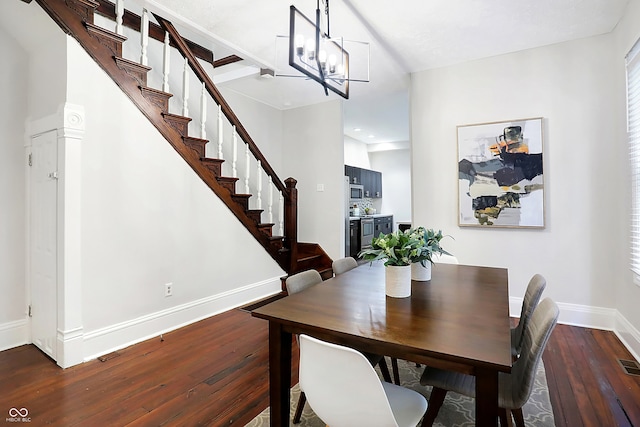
(75, 17)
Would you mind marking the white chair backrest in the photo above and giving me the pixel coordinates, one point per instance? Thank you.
(301, 281)
(343, 265)
(341, 386)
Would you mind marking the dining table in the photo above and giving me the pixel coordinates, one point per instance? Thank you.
(458, 320)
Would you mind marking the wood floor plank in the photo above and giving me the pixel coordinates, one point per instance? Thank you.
(215, 373)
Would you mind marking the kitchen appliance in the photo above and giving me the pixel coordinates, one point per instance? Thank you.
(366, 233)
(356, 191)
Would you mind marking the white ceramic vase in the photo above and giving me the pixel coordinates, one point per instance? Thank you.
(398, 281)
(421, 272)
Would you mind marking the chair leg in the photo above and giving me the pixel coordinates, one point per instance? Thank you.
(505, 417)
(396, 371)
(302, 400)
(435, 402)
(517, 415)
(384, 370)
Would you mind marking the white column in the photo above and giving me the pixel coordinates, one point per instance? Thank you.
(220, 133)
(259, 185)
(234, 160)
(144, 37)
(203, 112)
(247, 158)
(119, 15)
(166, 63)
(185, 89)
(270, 207)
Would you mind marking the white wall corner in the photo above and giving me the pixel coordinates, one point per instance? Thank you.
(14, 334)
(628, 334)
(69, 348)
(118, 336)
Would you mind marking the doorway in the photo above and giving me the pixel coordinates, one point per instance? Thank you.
(43, 238)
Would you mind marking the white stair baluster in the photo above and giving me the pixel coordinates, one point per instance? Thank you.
(220, 132)
(166, 63)
(203, 112)
(185, 89)
(248, 169)
(234, 161)
(259, 176)
(281, 212)
(144, 37)
(270, 207)
(119, 15)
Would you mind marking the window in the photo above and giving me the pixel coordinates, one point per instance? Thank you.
(633, 135)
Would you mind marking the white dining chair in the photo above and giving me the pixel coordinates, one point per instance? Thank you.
(445, 259)
(344, 390)
(343, 265)
(299, 282)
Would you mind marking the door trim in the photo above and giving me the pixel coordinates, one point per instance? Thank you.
(69, 124)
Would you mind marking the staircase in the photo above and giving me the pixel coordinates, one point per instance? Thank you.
(76, 18)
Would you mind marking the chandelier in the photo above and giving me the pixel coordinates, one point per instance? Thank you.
(318, 56)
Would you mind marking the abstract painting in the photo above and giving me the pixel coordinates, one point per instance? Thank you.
(500, 174)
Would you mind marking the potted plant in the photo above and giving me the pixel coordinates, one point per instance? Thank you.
(400, 250)
(429, 245)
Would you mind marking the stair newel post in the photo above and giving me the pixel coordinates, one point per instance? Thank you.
(185, 89)
(234, 160)
(270, 206)
(203, 112)
(247, 175)
(119, 15)
(220, 132)
(291, 222)
(259, 185)
(144, 37)
(166, 63)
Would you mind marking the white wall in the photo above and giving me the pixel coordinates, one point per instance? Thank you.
(627, 292)
(396, 182)
(572, 85)
(314, 155)
(355, 153)
(147, 219)
(13, 109)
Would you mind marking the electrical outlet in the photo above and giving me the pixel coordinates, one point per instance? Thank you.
(168, 289)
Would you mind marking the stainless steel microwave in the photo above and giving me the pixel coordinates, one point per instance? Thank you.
(357, 191)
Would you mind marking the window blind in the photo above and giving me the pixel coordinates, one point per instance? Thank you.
(633, 136)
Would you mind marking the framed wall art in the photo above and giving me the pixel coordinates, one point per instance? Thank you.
(500, 174)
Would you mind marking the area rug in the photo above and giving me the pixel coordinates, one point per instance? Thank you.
(457, 410)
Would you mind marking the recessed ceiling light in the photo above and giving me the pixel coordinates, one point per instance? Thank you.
(372, 136)
(357, 129)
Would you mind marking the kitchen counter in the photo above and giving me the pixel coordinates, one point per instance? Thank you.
(369, 216)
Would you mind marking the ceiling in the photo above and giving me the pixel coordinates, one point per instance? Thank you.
(405, 36)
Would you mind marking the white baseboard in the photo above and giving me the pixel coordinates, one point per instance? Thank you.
(115, 337)
(608, 319)
(13, 334)
(629, 335)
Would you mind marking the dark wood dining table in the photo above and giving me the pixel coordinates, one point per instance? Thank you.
(459, 320)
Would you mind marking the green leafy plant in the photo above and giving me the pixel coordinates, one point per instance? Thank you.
(405, 247)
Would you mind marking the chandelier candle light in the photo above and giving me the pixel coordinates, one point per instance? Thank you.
(318, 56)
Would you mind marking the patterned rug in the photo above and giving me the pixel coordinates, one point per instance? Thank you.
(457, 410)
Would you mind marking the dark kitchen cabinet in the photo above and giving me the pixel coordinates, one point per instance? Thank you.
(369, 179)
(354, 238)
(354, 174)
(383, 225)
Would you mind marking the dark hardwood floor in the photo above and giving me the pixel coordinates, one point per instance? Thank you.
(214, 373)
